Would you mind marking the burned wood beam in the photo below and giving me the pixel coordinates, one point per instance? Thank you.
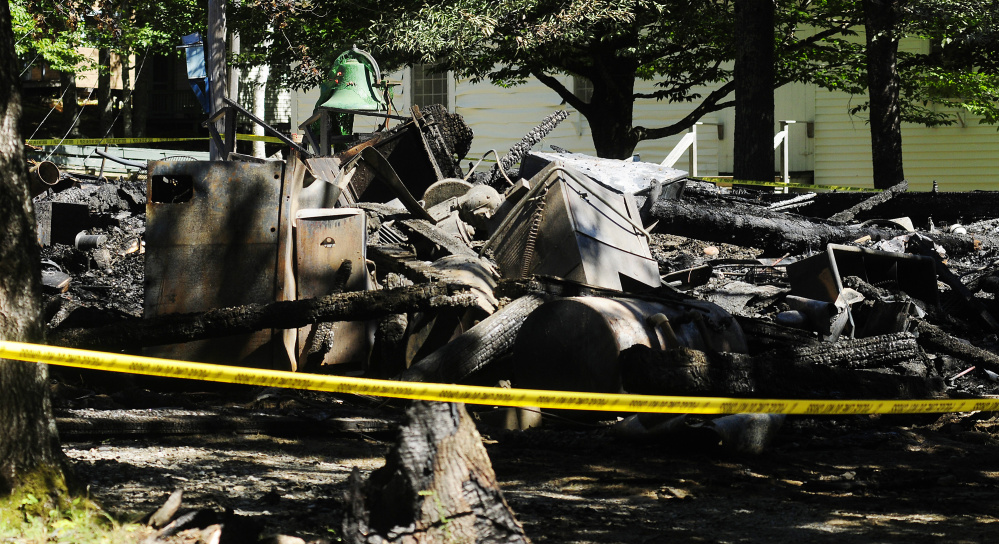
(352, 306)
(320, 341)
(762, 335)
(876, 200)
(935, 339)
(477, 347)
(402, 260)
(776, 232)
(433, 234)
(828, 370)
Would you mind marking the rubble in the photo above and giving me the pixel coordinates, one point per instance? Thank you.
(568, 272)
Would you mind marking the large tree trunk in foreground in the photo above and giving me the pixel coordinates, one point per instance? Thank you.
(754, 90)
(437, 486)
(30, 457)
(881, 22)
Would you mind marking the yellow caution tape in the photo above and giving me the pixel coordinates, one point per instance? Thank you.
(130, 141)
(256, 138)
(108, 141)
(843, 188)
(492, 396)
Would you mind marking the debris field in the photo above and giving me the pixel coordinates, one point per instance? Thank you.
(397, 257)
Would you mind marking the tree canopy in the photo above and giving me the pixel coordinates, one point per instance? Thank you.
(686, 47)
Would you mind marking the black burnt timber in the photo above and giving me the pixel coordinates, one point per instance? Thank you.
(777, 232)
(763, 335)
(320, 339)
(937, 340)
(402, 260)
(433, 234)
(352, 306)
(942, 207)
(475, 348)
(870, 203)
(437, 485)
(876, 367)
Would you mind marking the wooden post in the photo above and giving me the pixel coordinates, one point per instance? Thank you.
(216, 65)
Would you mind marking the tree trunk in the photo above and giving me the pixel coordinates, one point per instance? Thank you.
(67, 81)
(126, 96)
(437, 486)
(754, 90)
(30, 456)
(611, 109)
(140, 100)
(105, 102)
(257, 81)
(881, 21)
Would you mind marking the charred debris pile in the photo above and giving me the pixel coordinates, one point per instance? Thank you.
(400, 258)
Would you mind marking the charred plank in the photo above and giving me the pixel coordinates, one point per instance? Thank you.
(352, 306)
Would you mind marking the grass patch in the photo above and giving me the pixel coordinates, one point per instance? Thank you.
(79, 523)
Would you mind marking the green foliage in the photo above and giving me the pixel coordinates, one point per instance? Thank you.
(54, 29)
(298, 39)
(58, 49)
(78, 523)
(957, 72)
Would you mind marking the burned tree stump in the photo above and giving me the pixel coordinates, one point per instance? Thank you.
(437, 485)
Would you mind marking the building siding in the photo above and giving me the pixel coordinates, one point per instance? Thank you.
(827, 144)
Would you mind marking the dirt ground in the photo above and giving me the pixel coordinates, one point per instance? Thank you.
(854, 479)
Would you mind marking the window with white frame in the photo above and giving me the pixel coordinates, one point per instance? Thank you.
(582, 88)
(430, 88)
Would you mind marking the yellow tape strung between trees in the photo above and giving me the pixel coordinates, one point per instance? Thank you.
(493, 396)
(129, 141)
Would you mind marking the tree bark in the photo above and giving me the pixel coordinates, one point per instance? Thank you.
(352, 306)
(257, 81)
(437, 485)
(30, 456)
(881, 22)
(67, 81)
(126, 96)
(610, 111)
(143, 87)
(105, 96)
(754, 90)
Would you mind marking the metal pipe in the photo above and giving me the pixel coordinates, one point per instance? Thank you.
(45, 175)
(119, 160)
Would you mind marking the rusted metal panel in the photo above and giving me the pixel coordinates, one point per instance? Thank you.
(212, 238)
(324, 239)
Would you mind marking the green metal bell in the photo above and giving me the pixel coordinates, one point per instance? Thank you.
(351, 87)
